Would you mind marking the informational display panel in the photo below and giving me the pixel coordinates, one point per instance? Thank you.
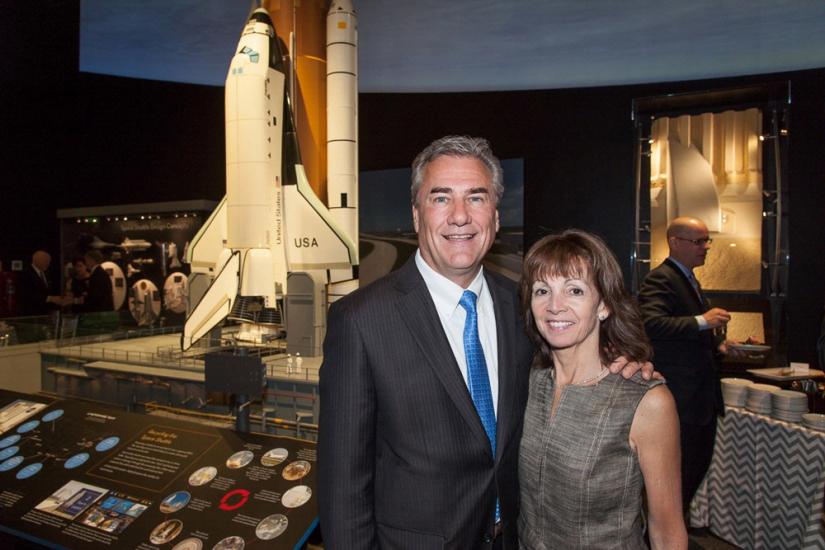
(74, 474)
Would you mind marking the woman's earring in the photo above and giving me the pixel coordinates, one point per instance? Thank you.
(602, 316)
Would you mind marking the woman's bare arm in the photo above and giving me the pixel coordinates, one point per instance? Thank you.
(654, 435)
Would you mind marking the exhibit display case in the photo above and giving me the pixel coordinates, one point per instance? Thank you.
(144, 248)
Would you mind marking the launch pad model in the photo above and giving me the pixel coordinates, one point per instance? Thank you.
(271, 237)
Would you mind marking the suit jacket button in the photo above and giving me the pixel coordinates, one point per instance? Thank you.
(488, 538)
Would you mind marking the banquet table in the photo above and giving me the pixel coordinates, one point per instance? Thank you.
(765, 486)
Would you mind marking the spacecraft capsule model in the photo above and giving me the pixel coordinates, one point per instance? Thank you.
(271, 223)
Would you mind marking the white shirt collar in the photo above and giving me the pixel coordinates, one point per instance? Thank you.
(444, 292)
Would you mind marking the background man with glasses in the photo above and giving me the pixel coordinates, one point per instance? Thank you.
(688, 337)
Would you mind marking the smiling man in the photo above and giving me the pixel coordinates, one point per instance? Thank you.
(424, 378)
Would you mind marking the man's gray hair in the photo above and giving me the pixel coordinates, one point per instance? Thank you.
(457, 146)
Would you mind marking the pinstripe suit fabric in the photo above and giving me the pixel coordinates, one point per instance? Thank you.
(404, 461)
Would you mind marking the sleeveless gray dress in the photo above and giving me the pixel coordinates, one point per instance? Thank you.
(581, 484)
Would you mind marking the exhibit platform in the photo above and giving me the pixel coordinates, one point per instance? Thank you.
(149, 371)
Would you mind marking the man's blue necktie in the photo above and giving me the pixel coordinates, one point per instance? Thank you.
(477, 379)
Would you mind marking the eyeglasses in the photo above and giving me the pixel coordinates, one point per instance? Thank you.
(697, 242)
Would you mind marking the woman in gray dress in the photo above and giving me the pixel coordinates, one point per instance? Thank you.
(593, 441)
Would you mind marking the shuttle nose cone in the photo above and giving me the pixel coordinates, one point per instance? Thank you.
(261, 16)
(341, 6)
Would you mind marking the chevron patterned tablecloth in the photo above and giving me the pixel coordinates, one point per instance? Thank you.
(766, 484)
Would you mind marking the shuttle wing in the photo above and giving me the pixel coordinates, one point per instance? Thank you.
(314, 239)
(216, 304)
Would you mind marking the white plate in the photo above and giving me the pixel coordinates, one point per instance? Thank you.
(737, 382)
(791, 394)
(813, 427)
(759, 348)
(763, 388)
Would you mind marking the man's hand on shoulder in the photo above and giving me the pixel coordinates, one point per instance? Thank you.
(629, 368)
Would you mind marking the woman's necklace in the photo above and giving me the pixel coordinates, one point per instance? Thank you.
(599, 376)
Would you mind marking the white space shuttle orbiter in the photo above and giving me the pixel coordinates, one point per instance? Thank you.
(271, 223)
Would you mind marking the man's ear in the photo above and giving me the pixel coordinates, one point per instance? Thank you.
(415, 218)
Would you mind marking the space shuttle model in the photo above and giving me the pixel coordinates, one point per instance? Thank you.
(271, 225)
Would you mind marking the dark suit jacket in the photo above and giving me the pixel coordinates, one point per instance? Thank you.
(403, 458)
(33, 294)
(686, 356)
(99, 296)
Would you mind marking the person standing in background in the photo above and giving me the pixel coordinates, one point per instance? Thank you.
(78, 286)
(35, 287)
(99, 296)
(688, 338)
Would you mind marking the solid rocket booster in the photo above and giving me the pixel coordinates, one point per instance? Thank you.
(342, 115)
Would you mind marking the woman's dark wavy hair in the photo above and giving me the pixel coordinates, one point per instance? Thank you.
(577, 253)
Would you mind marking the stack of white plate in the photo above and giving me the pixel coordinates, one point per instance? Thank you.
(814, 421)
(789, 405)
(735, 391)
(759, 398)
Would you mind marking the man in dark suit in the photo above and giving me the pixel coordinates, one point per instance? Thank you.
(688, 341)
(35, 287)
(99, 295)
(424, 379)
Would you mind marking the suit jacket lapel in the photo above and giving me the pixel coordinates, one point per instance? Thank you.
(420, 316)
(506, 338)
(687, 286)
